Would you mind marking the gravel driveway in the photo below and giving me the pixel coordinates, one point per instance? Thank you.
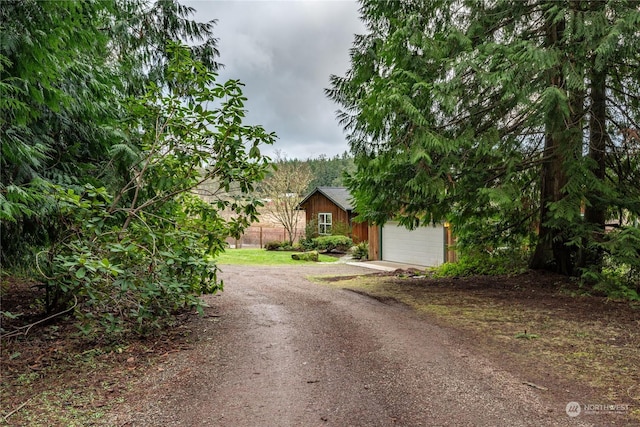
(279, 350)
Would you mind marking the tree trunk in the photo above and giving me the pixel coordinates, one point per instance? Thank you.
(562, 142)
(549, 253)
(595, 211)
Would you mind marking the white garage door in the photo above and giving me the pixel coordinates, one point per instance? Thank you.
(423, 246)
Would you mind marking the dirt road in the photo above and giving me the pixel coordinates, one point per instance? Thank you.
(279, 350)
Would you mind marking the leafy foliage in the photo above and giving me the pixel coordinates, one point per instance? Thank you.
(332, 243)
(340, 228)
(137, 256)
(141, 33)
(311, 230)
(329, 172)
(108, 123)
(325, 171)
(65, 71)
(59, 102)
(360, 251)
(619, 276)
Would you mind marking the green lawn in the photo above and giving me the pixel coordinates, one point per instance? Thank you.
(264, 257)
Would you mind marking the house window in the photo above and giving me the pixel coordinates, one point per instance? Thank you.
(324, 223)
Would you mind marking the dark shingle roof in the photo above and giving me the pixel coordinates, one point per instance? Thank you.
(338, 195)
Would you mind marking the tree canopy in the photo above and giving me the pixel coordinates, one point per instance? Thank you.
(111, 115)
(515, 121)
(66, 68)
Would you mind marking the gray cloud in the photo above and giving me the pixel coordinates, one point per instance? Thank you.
(284, 52)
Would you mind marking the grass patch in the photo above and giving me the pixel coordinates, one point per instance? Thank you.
(68, 407)
(263, 257)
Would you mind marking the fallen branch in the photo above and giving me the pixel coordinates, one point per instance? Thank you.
(27, 328)
(539, 387)
(22, 405)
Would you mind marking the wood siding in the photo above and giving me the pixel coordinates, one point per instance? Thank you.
(374, 243)
(319, 203)
(451, 254)
(359, 231)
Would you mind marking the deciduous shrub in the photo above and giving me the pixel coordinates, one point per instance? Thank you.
(133, 253)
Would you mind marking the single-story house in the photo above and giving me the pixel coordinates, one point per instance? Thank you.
(423, 246)
(330, 206)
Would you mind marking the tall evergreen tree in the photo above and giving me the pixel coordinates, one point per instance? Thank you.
(58, 107)
(502, 117)
(66, 68)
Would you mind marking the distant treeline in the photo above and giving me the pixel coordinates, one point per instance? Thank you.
(327, 171)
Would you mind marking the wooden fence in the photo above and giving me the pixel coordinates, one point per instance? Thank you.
(258, 236)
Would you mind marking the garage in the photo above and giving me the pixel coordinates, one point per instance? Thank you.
(424, 246)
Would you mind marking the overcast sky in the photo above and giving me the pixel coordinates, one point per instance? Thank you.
(284, 52)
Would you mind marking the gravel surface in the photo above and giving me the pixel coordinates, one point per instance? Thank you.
(279, 350)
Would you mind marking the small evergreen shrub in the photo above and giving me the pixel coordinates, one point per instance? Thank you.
(274, 245)
(616, 280)
(311, 230)
(360, 251)
(306, 256)
(614, 287)
(340, 244)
